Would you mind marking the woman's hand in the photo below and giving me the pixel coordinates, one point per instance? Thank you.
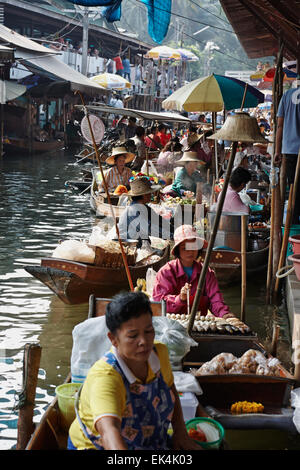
(183, 292)
(182, 441)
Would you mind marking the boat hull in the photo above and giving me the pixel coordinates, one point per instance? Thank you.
(227, 264)
(74, 282)
(23, 146)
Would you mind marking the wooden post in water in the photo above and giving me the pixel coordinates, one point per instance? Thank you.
(244, 266)
(31, 364)
(269, 286)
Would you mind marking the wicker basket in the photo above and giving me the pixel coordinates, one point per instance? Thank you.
(113, 258)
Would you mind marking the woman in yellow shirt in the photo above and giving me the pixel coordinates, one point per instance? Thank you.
(129, 399)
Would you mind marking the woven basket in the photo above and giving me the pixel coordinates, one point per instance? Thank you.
(113, 259)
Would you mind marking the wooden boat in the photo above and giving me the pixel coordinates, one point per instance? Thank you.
(219, 391)
(20, 145)
(74, 282)
(100, 206)
(227, 264)
(78, 185)
(50, 433)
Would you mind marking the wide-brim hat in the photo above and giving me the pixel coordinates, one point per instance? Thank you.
(116, 152)
(189, 157)
(193, 138)
(185, 233)
(141, 186)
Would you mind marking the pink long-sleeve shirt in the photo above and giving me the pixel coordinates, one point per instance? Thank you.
(172, 277)
(233, 202)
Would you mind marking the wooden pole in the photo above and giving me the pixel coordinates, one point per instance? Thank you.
(244, 97)
(276, 331)
(31, 363)
(244, 265)
(108, 197)
(204, 269)
(270, 258)
(287, 227)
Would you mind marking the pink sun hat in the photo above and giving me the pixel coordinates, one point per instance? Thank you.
(185, 233)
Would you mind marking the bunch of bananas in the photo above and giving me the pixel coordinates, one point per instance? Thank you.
(246, 407)
(141, 285)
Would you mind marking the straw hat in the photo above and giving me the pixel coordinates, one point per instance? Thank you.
(189, 157)
(185, 233)
(240, 127)
(141, 186)
(117, 151)
(193, 138)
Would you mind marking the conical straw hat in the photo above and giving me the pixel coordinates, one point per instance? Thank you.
(189, 157)
(240, 127)
(116, 151)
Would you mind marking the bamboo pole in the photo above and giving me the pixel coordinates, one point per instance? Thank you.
(244, 97)
(31, 363)
(244, 266)
(270, 258)
(108, 197)
(200, 286)
(282, 257)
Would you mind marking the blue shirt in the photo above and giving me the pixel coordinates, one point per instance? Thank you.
(188, 271)
(126, 65)
(289, 109)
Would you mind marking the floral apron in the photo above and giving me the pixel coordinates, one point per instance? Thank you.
(147, 416)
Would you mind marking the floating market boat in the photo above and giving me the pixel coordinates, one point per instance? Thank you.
(16, 144)
(227, 264)
(219, 391)
(74, 282)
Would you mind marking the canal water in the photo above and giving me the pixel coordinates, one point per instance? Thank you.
(37, 211)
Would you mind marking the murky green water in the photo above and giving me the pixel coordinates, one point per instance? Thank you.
(37, 211)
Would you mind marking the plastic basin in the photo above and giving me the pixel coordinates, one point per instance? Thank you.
(256, 207)
(296, 262)
(192, 424)
(66, 400)
(295, 241)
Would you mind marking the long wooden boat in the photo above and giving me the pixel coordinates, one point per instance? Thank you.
(227, 264)
(219, 391)
(20, 145)
(74, 282)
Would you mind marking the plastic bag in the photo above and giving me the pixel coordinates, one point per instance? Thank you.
(151, 168)
(295, 402)
(175, 337)
(90, 343)
(150, 280)
(186, 383)
(74, 250)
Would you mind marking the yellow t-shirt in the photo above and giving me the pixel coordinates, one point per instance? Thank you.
(104, 393)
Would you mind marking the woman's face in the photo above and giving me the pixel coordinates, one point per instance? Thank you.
(120, 162)
(191, 167)
(188, 252)
(134, 339)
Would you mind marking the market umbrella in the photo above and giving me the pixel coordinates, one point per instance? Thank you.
(214, 93)
(163, 52)
(187, 55)
(111, 81)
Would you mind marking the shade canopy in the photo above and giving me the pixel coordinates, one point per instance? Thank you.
(163, 52)
(111, 81)
(213, 93)
(137, 113)
(10, 90)
(240, 127)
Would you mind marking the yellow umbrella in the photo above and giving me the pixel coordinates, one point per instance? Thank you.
(213, 93)
(111, 81)
(163, 52)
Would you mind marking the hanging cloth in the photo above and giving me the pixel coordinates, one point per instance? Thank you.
(159, 14)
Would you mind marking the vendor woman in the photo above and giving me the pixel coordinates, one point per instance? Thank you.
(179, 277)
(118, 174)
(188, 176)
(129, 399)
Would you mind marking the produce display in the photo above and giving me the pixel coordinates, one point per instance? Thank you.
(121, 189)
(197, 434)
(242, 407)
(108, 254)
(251, 362)
(171, 201)
(210, 324)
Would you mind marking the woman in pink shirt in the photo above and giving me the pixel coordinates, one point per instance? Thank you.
(177, 277)
(238, 180)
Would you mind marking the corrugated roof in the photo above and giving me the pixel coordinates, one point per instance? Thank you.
(10, 37)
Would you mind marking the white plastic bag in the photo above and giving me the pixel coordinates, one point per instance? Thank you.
(90, 343)
(186, 383)
(151, 168)
(150, 280)
(74, 250)
(175, 337)
(295, 402)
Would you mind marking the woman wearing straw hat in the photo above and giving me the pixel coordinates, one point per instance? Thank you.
(188, 176)
(118, 174)
(179, 278)
(139, 221)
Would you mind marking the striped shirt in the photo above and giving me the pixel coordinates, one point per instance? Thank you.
(114, 178)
